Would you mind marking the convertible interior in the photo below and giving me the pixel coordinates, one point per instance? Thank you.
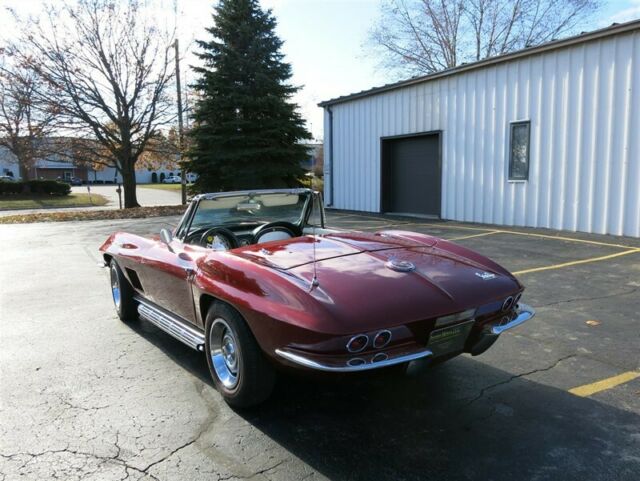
(224, 222)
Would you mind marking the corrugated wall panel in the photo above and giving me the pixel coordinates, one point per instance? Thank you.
(583, 103)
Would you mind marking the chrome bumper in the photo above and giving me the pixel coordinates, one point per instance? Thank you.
(523, 314)
(366, 366)
(490, 334)
(486, 338)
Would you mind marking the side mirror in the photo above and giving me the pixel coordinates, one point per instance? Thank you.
(166, 237)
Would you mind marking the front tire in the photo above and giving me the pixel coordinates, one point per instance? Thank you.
(237, 365)
(122, 294)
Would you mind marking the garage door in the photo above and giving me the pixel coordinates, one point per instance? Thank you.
(411, 177)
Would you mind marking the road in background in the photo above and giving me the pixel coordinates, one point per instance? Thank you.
(146, 198)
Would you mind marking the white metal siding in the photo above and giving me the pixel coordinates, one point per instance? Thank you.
(583, 102)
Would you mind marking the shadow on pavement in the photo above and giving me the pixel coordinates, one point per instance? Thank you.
(444, 423)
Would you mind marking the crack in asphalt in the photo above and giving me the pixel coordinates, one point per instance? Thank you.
(253, 475)
(104, 459)
(596, 298)
(516, 376)
(167, 456)
(70, 405)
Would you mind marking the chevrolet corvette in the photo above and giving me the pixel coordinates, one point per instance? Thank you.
(259, 283)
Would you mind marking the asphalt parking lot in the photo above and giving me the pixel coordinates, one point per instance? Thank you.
(84, 396)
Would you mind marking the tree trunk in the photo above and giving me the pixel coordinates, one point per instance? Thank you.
(23, 170)
(129, 184)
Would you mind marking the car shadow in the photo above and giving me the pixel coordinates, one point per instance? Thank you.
(462, 420)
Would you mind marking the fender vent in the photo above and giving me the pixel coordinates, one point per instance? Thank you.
(135, 280)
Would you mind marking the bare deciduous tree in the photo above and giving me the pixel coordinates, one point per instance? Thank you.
(108, 71)
(24, 125)
(426, 36)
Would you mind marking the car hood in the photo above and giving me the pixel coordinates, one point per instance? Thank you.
(362, 279)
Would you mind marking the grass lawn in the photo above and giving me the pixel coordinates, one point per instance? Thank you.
(174, 187)
(95, 214)
(22, 201)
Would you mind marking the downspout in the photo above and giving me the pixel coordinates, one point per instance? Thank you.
(329, 169)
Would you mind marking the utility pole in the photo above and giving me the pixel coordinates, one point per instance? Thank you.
(183, 171)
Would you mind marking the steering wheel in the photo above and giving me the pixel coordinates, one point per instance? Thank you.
(219, 238)
(275, 231)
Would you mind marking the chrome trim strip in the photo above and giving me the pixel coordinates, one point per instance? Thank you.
(525, 313)
(306, 362)
(170, 324)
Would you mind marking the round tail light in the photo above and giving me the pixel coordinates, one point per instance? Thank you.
(381, 356)
(382, 339)
(517, 299)
(357, 343)
(356, 361)
(508, 302)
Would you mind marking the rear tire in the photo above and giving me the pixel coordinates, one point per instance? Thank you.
(239, 369)
(122, 293)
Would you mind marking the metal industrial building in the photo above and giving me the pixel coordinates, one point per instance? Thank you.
(545, 137)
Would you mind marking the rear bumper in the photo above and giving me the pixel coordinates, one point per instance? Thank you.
(483, 340)
(490, 333)
(523, 314)
(355, 364)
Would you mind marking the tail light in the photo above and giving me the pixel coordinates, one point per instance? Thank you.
(356, 361)
(507, 304)
(357, 343)
(381, 339)
(517, 299)
(381, 356)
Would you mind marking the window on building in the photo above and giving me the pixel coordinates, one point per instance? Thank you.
(519, 151)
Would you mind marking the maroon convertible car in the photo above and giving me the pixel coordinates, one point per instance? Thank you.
(258, 282)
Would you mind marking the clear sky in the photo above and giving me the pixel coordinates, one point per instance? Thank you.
(324, 40)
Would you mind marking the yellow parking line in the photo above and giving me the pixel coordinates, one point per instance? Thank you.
(570, 239)
(589, 389)
(448, 226)
(474, 235)
(531, 234)
(574, 263)
(445, 225)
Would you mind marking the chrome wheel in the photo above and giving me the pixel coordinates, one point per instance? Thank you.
(225, 354)
(115, 286)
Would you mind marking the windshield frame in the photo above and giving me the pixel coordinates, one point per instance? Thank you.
(184, 226)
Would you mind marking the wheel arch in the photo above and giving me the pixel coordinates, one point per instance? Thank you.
(206, 300)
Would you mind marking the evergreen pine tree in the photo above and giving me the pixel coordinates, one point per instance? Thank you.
(247, 131)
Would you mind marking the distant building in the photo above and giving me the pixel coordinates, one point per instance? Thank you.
(548, 136)
(52, 168)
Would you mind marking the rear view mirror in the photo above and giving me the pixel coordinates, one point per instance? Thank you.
(249, 206)
(166, 237)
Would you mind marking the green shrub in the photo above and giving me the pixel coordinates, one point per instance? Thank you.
(39, 187)
(10, 187)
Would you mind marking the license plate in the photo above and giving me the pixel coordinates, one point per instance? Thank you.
(449, 339)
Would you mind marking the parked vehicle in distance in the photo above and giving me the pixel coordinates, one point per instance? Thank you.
(172, 179)
(258, 282)
(75, 181)
(191, 177)
(6, 178)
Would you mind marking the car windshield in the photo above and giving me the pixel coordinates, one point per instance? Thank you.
(250, 208)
